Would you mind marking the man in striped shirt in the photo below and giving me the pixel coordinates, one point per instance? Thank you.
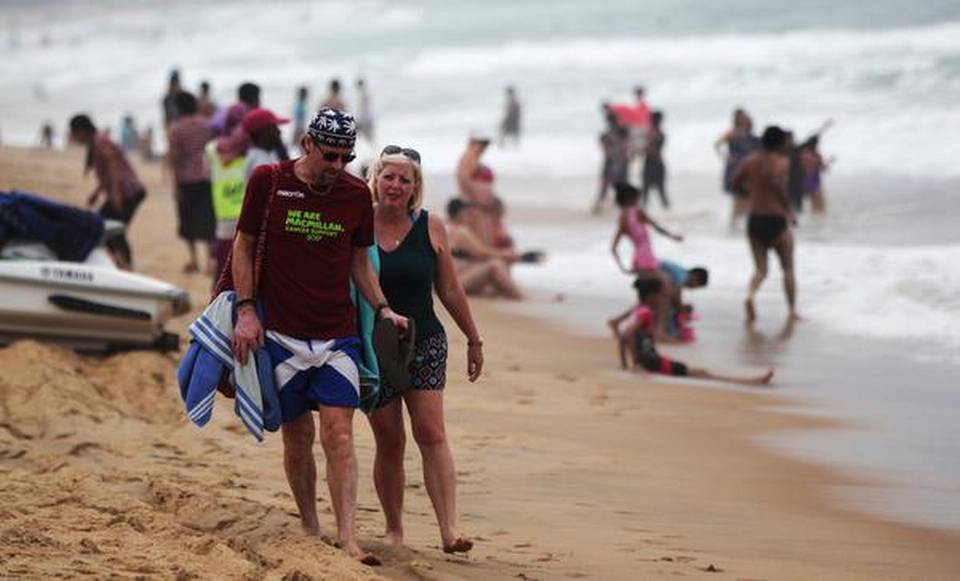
(188, 135)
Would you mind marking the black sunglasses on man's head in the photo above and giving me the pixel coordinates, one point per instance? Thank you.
(411, 154)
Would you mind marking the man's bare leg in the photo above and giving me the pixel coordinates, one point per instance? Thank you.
(426, 417)
(759, 252)
(301, 469)
(336, 437)
(783, 246)
(388, 473)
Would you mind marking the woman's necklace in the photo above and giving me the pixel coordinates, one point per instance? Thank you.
(394, 235)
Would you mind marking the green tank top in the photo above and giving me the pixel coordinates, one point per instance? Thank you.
(407, 275)
(227, 184)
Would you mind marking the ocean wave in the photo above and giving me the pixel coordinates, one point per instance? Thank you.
(699, 51)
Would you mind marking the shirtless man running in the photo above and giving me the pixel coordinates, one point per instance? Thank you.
(763, 175)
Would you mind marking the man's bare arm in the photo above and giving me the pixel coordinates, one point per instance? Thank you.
(248, 332)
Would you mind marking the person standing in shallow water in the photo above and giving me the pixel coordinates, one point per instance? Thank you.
(739, 141)
(654, 170)
(415, 261)
(510, 125)
(763, 175)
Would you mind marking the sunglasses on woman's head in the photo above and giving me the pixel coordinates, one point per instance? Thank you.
(411, 154)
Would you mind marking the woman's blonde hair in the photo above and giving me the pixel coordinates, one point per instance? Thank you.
(416, 201)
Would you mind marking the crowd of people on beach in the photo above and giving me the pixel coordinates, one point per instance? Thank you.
(282, 235)
(286, 240)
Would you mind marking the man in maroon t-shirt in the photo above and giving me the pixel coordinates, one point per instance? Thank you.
(319, 223)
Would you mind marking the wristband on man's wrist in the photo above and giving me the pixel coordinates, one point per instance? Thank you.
(476, 343)
(243, 303)
(377, 312)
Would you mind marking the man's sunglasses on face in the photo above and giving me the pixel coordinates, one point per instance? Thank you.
(333, 156)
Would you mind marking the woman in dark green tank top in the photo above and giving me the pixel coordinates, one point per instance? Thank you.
(415, 262)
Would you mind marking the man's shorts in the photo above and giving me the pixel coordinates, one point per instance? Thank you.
(314, 372)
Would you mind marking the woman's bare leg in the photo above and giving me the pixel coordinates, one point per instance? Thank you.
(388, 474)
(439, 476)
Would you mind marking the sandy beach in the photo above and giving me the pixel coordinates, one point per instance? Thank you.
(567, 468)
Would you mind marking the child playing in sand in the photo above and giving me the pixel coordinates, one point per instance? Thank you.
(637, 341)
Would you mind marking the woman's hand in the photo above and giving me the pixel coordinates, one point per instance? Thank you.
(474, 360)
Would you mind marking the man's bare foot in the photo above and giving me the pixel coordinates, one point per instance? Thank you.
(393, 538)
(362, 556)
(751, 311)
(460, 545)
(325, 538)
(794, 317)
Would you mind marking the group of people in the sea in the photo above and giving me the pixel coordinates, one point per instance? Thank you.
(769, 177)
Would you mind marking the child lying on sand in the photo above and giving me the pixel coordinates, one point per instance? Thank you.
(637, 341)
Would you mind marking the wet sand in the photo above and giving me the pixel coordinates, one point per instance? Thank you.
(567, 468)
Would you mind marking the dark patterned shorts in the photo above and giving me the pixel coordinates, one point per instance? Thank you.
(428, 370)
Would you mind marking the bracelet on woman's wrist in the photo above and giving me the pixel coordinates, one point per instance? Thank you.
(379, 310)
(244, 302)
(477, 343)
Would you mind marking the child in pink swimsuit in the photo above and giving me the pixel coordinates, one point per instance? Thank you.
(633, 225)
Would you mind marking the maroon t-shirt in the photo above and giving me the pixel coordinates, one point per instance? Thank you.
(305, 281)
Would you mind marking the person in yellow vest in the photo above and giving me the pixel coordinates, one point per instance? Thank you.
(230, 166)
(227, 160)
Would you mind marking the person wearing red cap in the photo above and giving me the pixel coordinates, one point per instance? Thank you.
(263, 127)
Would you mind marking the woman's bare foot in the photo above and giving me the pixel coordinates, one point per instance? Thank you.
(751, 311)
(460, 545)
(393, 538)
(794, 317)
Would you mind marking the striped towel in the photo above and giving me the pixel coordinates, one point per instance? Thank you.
(257, 403)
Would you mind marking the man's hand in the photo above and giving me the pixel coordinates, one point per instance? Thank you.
(248, 333)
